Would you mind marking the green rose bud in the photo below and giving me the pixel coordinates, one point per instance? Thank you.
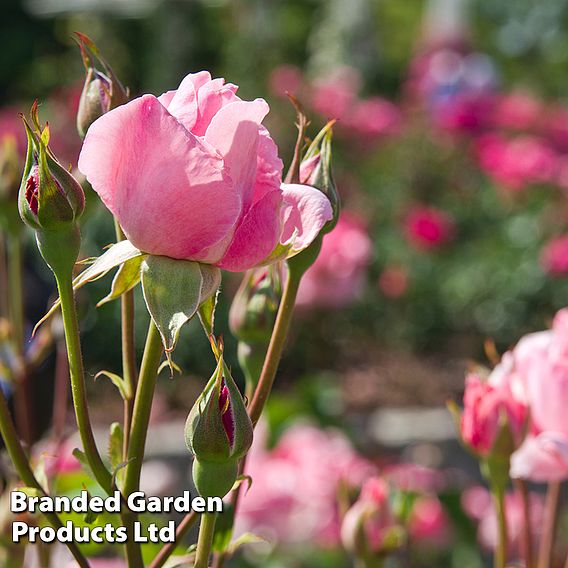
(218, 432)
(102, 90)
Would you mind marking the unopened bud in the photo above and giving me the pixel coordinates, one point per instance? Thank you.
(218, 432)
(102, 90)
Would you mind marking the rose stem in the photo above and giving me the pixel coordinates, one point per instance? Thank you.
(526, 539)
(78, 387)
(500, 558)
(142, 407)
(60, 394)
(187, 522)
(129, 370)
(549, 526)
(271, 362)
(25, 472)
(205, 540)
(139, 429)
(16, 302)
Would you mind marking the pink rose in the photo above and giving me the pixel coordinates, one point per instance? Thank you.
(294, 495)
(518, 111)
(337, 277)
(194, 175)
(518, 162)
(429, 524)
(371, 516)
(484, 408)
(428, 228)
(541, 363)
(554, 257)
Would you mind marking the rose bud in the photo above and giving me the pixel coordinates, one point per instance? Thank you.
(218, 432)
(493, 421)
(50, 201)
(369, 528)
(316, 171)
(50, 197)
(102, 91)
(255, 304)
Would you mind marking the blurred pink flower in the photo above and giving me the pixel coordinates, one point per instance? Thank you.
(337, 277)
(194, 175)
(554, 256)
(285, 79)
(11, 127)
(477, 503)
(429, 524)
(59, 459)
(518, 111)
(293, 498)
(370, 515)
(517, 162)
(372, 118)
(334, 95)
(415, 478)
(544, 455)
(393, 281)
(427, 228)
(485, 405)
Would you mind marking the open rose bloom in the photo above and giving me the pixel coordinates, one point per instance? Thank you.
(194, 175)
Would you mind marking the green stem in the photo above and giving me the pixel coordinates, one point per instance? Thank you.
(500, 558)
(550, 522)
(78, 388)
(182, 529)
(142, 407)
(25, 472)
(129, 370)
(271, 362)
(205, 540)
(276, 346)
(16, 309)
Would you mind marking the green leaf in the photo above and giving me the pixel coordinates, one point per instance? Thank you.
(207, 313)
(246, 538)
(82, 459)
(242, 479)
(90, 516)
(122, 386)
(114, 256)
(127, 276)
(115, 445)
(173, 290)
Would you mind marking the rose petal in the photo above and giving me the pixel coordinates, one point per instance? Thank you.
(256, 236)
(307, 211)
(155, 177)
(541, 458)
(234, 132)
(183, 104)
(211, 97)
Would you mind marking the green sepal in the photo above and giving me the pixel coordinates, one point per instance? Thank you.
(173, 291)
(123, 386)
(214, 479)
(322, 176)
(205, 434)
(299, 263)
(126, 278)
(60, 248)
